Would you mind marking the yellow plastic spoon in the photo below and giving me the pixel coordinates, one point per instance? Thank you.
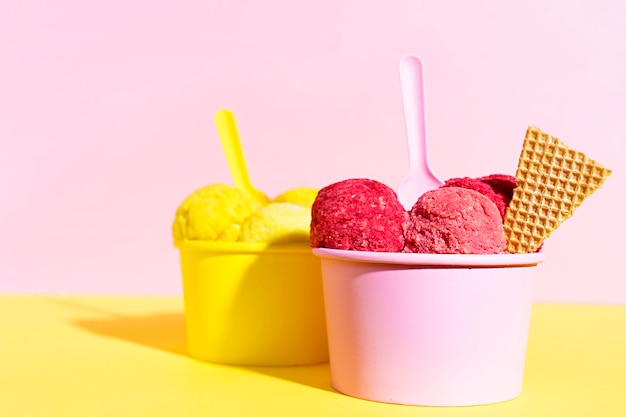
(227, 132)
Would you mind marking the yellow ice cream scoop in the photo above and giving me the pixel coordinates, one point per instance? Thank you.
(279, 222)
(303, 196)
(213, 213)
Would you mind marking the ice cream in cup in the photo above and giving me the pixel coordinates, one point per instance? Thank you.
(431, 305)
(252, 288)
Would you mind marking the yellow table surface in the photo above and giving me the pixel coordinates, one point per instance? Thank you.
(126, 356)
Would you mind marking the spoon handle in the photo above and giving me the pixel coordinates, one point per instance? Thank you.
(227, 132)
(419, 178)
(412, 84)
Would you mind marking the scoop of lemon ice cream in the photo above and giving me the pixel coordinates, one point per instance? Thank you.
(303, 196)
(277, 222)
(213, 213)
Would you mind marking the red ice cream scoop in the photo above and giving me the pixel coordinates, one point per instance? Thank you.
(498, 187)
(358, 214)
(455, 220)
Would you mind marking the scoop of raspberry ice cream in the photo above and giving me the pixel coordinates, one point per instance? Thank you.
(503, 185)
(498, 187)
(358, 214)
(454, 220)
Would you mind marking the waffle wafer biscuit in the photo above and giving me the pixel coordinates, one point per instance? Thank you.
(552, 181)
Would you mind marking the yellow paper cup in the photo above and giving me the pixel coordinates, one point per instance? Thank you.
(253, 304)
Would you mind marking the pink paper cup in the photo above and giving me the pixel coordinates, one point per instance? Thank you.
(427, 329)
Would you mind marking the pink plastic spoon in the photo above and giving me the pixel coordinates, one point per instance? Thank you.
(419, 178)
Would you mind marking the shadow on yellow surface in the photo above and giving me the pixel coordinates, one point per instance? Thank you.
(315, 376)
(166, 331)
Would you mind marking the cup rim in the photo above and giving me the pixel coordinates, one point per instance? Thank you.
(243, 247)
(433, 259)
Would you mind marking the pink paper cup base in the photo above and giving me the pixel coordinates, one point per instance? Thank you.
(424, 329)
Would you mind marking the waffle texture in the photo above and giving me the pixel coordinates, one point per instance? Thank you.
(552, 181)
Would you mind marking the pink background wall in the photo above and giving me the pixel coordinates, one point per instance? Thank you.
(106, 115)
